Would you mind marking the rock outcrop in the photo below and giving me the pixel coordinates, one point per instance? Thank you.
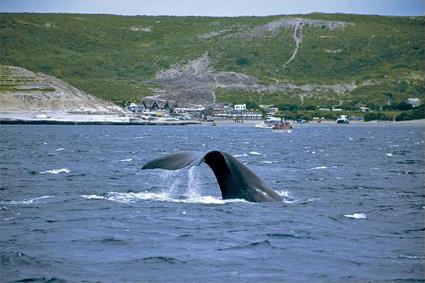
(24, 91)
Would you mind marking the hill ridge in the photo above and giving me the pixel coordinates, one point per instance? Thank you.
(119, 57)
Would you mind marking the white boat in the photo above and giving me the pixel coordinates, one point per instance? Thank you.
(271, 120)
(342, 119)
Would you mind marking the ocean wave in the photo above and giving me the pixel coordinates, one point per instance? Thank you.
(254, 153)
(356, 216)
(60, 149)
(149, 196)
(26, 201)
(268, 162)
(56, 171)
(240, 155)
(287, 197)
(319, 168)
(125, 160)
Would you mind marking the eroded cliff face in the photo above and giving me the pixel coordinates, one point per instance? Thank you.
(24, 91)
(196, 81)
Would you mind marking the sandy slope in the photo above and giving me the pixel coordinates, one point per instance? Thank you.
(23, 91)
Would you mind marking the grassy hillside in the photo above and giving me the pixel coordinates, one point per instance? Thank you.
(117, 57)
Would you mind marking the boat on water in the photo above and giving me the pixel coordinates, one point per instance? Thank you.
(263, 125)
(342, 119)
(269, 122)
(282, 127)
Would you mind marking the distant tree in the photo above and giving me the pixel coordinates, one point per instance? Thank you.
(251, 105)
(242, 61)
(403, 106)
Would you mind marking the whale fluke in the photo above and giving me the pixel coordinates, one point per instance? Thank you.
(234, 178)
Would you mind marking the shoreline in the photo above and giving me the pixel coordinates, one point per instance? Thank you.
(252, 123)
(57, 118)
(31, 118)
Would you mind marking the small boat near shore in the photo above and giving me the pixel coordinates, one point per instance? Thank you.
(342, 119)
(283, 127)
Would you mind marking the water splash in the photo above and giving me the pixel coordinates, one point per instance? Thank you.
(171, 180)
(128, 198)
(193, 184)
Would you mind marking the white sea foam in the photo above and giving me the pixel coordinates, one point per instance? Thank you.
(319, 168)
(240, 155)
(149, 196)
(26, 201)
(125, 160)
(356, 215)
(287, 196)
(267, 162)
(60, 149)
(56, 171)
(389, 154)
(254, 153)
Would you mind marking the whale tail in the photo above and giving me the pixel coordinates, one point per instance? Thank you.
(234, 178)
(175, 161)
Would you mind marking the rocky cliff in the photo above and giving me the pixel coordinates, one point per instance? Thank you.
(24, 91)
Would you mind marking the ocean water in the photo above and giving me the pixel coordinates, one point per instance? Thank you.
(76, 206)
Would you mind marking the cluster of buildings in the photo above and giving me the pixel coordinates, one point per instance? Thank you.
(220, 111)
(151, 108)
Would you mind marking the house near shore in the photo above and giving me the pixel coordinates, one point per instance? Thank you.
(365, 109)
(156, 104)
(151, 105)
(237, 112)
(240, 107)
(414, 101)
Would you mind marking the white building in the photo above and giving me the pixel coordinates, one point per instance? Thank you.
(240, 107)
(365, 109)
(414, 101)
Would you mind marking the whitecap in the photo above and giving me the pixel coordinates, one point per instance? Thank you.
(319, 168)
(267, 162)
(25, 201)
(60, 149)
(92, 197)
(389, 154)
(254, 153)
(240, 155)
(56, 171)
(356, 215)
(125, 160)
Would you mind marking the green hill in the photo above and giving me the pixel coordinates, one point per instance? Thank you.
(341, 60)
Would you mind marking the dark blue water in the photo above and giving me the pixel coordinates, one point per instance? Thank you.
(75, 205)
